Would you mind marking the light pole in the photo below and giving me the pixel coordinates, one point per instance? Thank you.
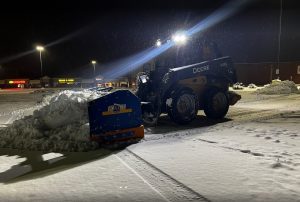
(279, 36)
(94, 65)
(40, 49)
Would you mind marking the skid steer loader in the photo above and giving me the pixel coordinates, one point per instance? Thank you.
(181, 92)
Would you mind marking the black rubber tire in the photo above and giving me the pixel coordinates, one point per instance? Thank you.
(150, 121)
(216, 104)
(184, 107)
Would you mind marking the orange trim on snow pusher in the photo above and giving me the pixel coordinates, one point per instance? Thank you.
(120, 135)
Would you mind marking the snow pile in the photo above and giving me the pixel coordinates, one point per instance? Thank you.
(283, 87)
(60, 124)
(252, 85)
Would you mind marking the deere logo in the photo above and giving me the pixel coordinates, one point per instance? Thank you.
(116, 109)
(200, 69)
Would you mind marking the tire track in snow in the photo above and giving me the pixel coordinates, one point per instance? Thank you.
(163, 184)
(238, 116)
(251, 115)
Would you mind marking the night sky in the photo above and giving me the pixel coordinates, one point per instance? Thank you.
(74, 32)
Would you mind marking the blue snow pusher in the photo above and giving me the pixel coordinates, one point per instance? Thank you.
(116, 118)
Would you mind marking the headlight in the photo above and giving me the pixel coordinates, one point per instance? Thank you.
(144, 78)
(179, 38)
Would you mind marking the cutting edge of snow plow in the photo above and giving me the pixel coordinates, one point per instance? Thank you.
(116, 136)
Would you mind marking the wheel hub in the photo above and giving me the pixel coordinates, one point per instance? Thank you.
(186, 104)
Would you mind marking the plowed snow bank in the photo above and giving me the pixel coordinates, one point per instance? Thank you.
(60, 124)
(282, 87)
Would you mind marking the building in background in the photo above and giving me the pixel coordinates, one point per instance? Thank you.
(87, 83)
(64, 82)
(14, 83)
(35, 83)
(263, 73)
(46, 81)
(257, 73)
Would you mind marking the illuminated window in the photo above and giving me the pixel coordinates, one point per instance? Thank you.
(67, 81)
(17, 82)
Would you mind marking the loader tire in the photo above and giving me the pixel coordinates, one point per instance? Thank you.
(216, 104)
(151, 113)
(184, 107)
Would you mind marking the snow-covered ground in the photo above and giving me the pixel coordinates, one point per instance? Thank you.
(251, 161)
(253, 155)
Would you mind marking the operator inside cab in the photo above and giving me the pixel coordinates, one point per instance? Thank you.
(210, 50)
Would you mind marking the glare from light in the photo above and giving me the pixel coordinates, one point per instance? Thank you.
(15, 57)
(223, 13)
(57, 42)
(158, 43)
(94, 62)
(40, 48)
(124, 66)
(179, 38)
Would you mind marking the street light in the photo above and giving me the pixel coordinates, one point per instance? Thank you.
(94, 63)
(40, 49)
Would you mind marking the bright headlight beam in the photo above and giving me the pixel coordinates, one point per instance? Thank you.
(123, 67)
(179, 38)
(129, 64)
(218, 16)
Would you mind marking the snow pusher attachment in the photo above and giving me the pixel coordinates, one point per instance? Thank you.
(116, 118)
